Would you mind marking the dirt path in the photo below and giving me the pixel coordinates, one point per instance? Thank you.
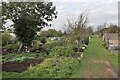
(96, 63)
(109, 70)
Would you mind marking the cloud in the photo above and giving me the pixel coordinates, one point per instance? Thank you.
(99, 11)
(108, 12)
(77, 1)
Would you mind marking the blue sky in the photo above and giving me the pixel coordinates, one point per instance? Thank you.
(98, 11)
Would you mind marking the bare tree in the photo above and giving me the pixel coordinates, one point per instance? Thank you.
(76, 29)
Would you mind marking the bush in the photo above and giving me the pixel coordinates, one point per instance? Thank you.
(12, 47)
(75, 49)
(5, 38)
(35, 45)
(62, 50)
(104, 44)
(86, 41)
(43, 40)
(81, 50)
(54, 44)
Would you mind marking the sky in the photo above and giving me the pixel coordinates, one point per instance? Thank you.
(98, 12)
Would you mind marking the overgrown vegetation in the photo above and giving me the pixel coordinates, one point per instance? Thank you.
(5, 38)
(51, 33)
(64, 57)
(93, 63)
(55, 67)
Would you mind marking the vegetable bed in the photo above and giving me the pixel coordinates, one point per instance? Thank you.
(20, 66)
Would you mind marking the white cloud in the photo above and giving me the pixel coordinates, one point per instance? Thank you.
(99, 11)
(84, 1)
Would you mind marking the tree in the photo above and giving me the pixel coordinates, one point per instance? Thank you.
(28, 18)
(77, 30)
(113, 28)
(5, 38)
(101, 29)
(50, 33)
(43, 34)
(65, 33)
(25, 31)
(60, 33)
(89, 30)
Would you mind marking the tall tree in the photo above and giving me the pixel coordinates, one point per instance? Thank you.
(113, 28)
(28, 17)
(77, 29)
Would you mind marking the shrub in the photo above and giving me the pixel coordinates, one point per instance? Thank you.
(12, 46)
(43, 40)
(5, 38)
(81, 50)
(35, 45)
(75, 49)
(62, 50)
(104, 44)
(86, 41)
(54, 44)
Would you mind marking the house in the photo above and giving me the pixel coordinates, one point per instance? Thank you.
(113, 40)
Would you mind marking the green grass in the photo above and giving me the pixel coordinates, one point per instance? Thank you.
(114, 60)
(94, 52)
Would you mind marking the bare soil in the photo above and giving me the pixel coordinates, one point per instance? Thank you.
(20, 66)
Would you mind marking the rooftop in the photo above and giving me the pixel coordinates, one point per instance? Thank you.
(113, 36)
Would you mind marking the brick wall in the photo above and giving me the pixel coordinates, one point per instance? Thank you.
(114, 42)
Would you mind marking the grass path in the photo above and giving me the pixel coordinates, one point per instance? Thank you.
(97, 62)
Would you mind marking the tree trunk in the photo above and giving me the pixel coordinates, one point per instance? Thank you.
(78, 45)
(20, 48)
